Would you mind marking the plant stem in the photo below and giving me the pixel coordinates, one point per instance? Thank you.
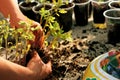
(6, 47)
(16, 44)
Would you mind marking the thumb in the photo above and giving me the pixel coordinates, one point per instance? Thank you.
(49, 64)
(33, 57)
(49, 67)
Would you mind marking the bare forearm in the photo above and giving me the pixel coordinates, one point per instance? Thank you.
(12, 71)
(11, 8)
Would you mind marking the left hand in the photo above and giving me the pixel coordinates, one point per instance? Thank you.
(38, 67)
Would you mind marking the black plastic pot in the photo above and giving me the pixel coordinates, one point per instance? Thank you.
(98, 9)
(26, 8)
(36, 10)
(81, 11)
(113, 25)
(90, 9)
(65, 19)
(113, 35)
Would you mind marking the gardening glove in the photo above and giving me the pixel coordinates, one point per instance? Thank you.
(38, 67)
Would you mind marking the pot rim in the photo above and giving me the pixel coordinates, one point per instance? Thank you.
(73, 5)
(111, 2)
(102, 2)
(27, 8)
(41, 4)
(84, 3)
(109, 10)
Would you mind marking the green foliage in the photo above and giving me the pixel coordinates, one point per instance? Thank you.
(62, 11)
(16, 39)
(53, 31)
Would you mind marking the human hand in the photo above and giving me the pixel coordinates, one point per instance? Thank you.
(39, 36)
(38, 67)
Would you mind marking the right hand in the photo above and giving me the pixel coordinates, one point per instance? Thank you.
(39, 36)
(39, 68)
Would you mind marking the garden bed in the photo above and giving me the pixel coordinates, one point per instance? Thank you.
(70, 59)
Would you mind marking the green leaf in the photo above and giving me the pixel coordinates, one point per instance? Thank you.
(36, 28)
(54, 44)
(62, 11)
(67, 36)
(46, 43)
(20, 30)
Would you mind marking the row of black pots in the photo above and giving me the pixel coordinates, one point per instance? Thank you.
(26, 8)
(82, 13)
(66, 22)
(32, 12)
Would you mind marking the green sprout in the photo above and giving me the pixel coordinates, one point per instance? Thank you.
(19, 37)
(53, 31)
(4, 32)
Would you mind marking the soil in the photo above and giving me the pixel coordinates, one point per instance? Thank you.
(71, 59)
(116, 5)
(29, 4)
(80, 1)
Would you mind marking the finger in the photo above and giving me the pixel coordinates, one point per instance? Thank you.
(36, 56)
(35, 24)
(49, 66)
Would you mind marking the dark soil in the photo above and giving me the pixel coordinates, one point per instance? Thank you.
(80, 1)
(66, 5)
(30, 4)
(116, 5)
(70, 59)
